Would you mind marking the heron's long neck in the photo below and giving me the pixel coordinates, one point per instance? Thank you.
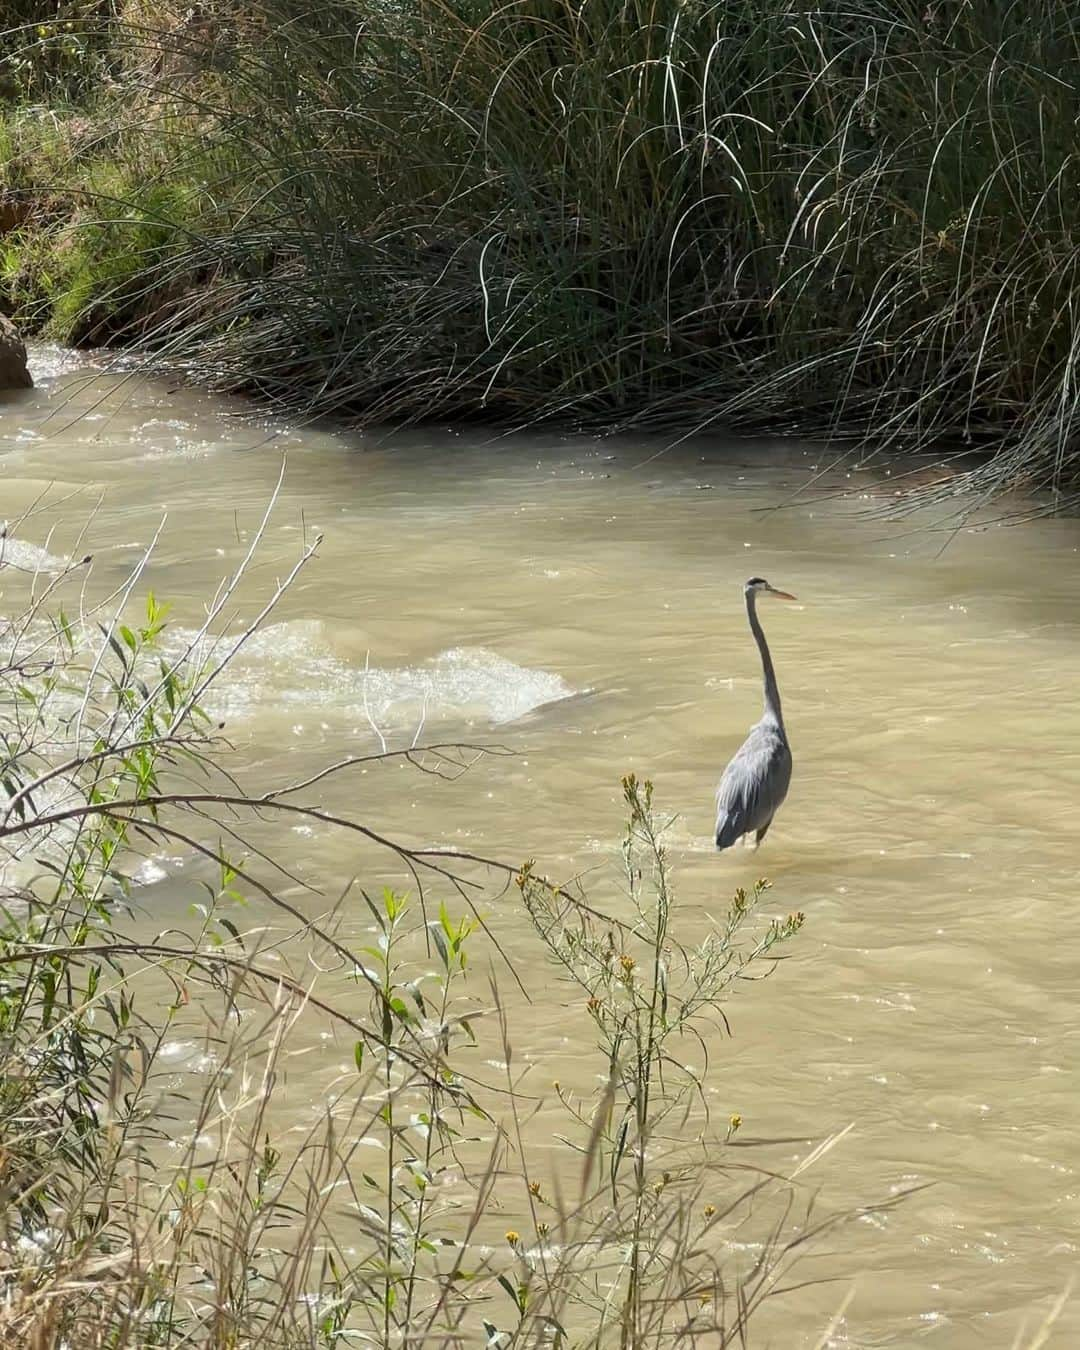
(772, 693)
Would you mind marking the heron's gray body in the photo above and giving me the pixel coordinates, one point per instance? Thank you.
(756, 781)
(754, 785)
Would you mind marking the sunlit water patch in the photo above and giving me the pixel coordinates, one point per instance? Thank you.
(47, 361)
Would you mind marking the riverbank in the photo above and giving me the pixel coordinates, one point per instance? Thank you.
(664, 217)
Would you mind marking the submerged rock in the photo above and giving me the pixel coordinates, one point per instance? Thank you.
(13, 371)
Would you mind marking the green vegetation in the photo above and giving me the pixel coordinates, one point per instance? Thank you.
(151, 1200)
(854, 218)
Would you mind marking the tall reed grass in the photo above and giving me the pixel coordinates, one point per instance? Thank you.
(853, 219)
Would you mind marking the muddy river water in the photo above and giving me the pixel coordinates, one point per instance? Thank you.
(580, 603)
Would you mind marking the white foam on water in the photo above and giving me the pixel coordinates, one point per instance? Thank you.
(148, 873)
(29, 557)
(290, 666)
(47, 361)
(168, 438)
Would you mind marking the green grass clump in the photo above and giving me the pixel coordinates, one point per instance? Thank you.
(55, 49)
(96, 215)
(109, 270)
(854, 218)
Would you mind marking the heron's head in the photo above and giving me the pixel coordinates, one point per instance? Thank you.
(759, 586)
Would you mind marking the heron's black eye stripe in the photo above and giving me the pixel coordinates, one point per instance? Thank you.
(757, 581)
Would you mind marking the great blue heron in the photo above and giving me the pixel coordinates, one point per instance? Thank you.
(755, 783)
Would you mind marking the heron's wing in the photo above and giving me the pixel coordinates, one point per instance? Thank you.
(753, 786)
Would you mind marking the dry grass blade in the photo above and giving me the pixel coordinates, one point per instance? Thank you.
(1041, 1336)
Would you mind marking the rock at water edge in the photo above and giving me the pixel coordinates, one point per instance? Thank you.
(13, 371)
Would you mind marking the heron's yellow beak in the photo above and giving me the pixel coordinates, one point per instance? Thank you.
(782, 595)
